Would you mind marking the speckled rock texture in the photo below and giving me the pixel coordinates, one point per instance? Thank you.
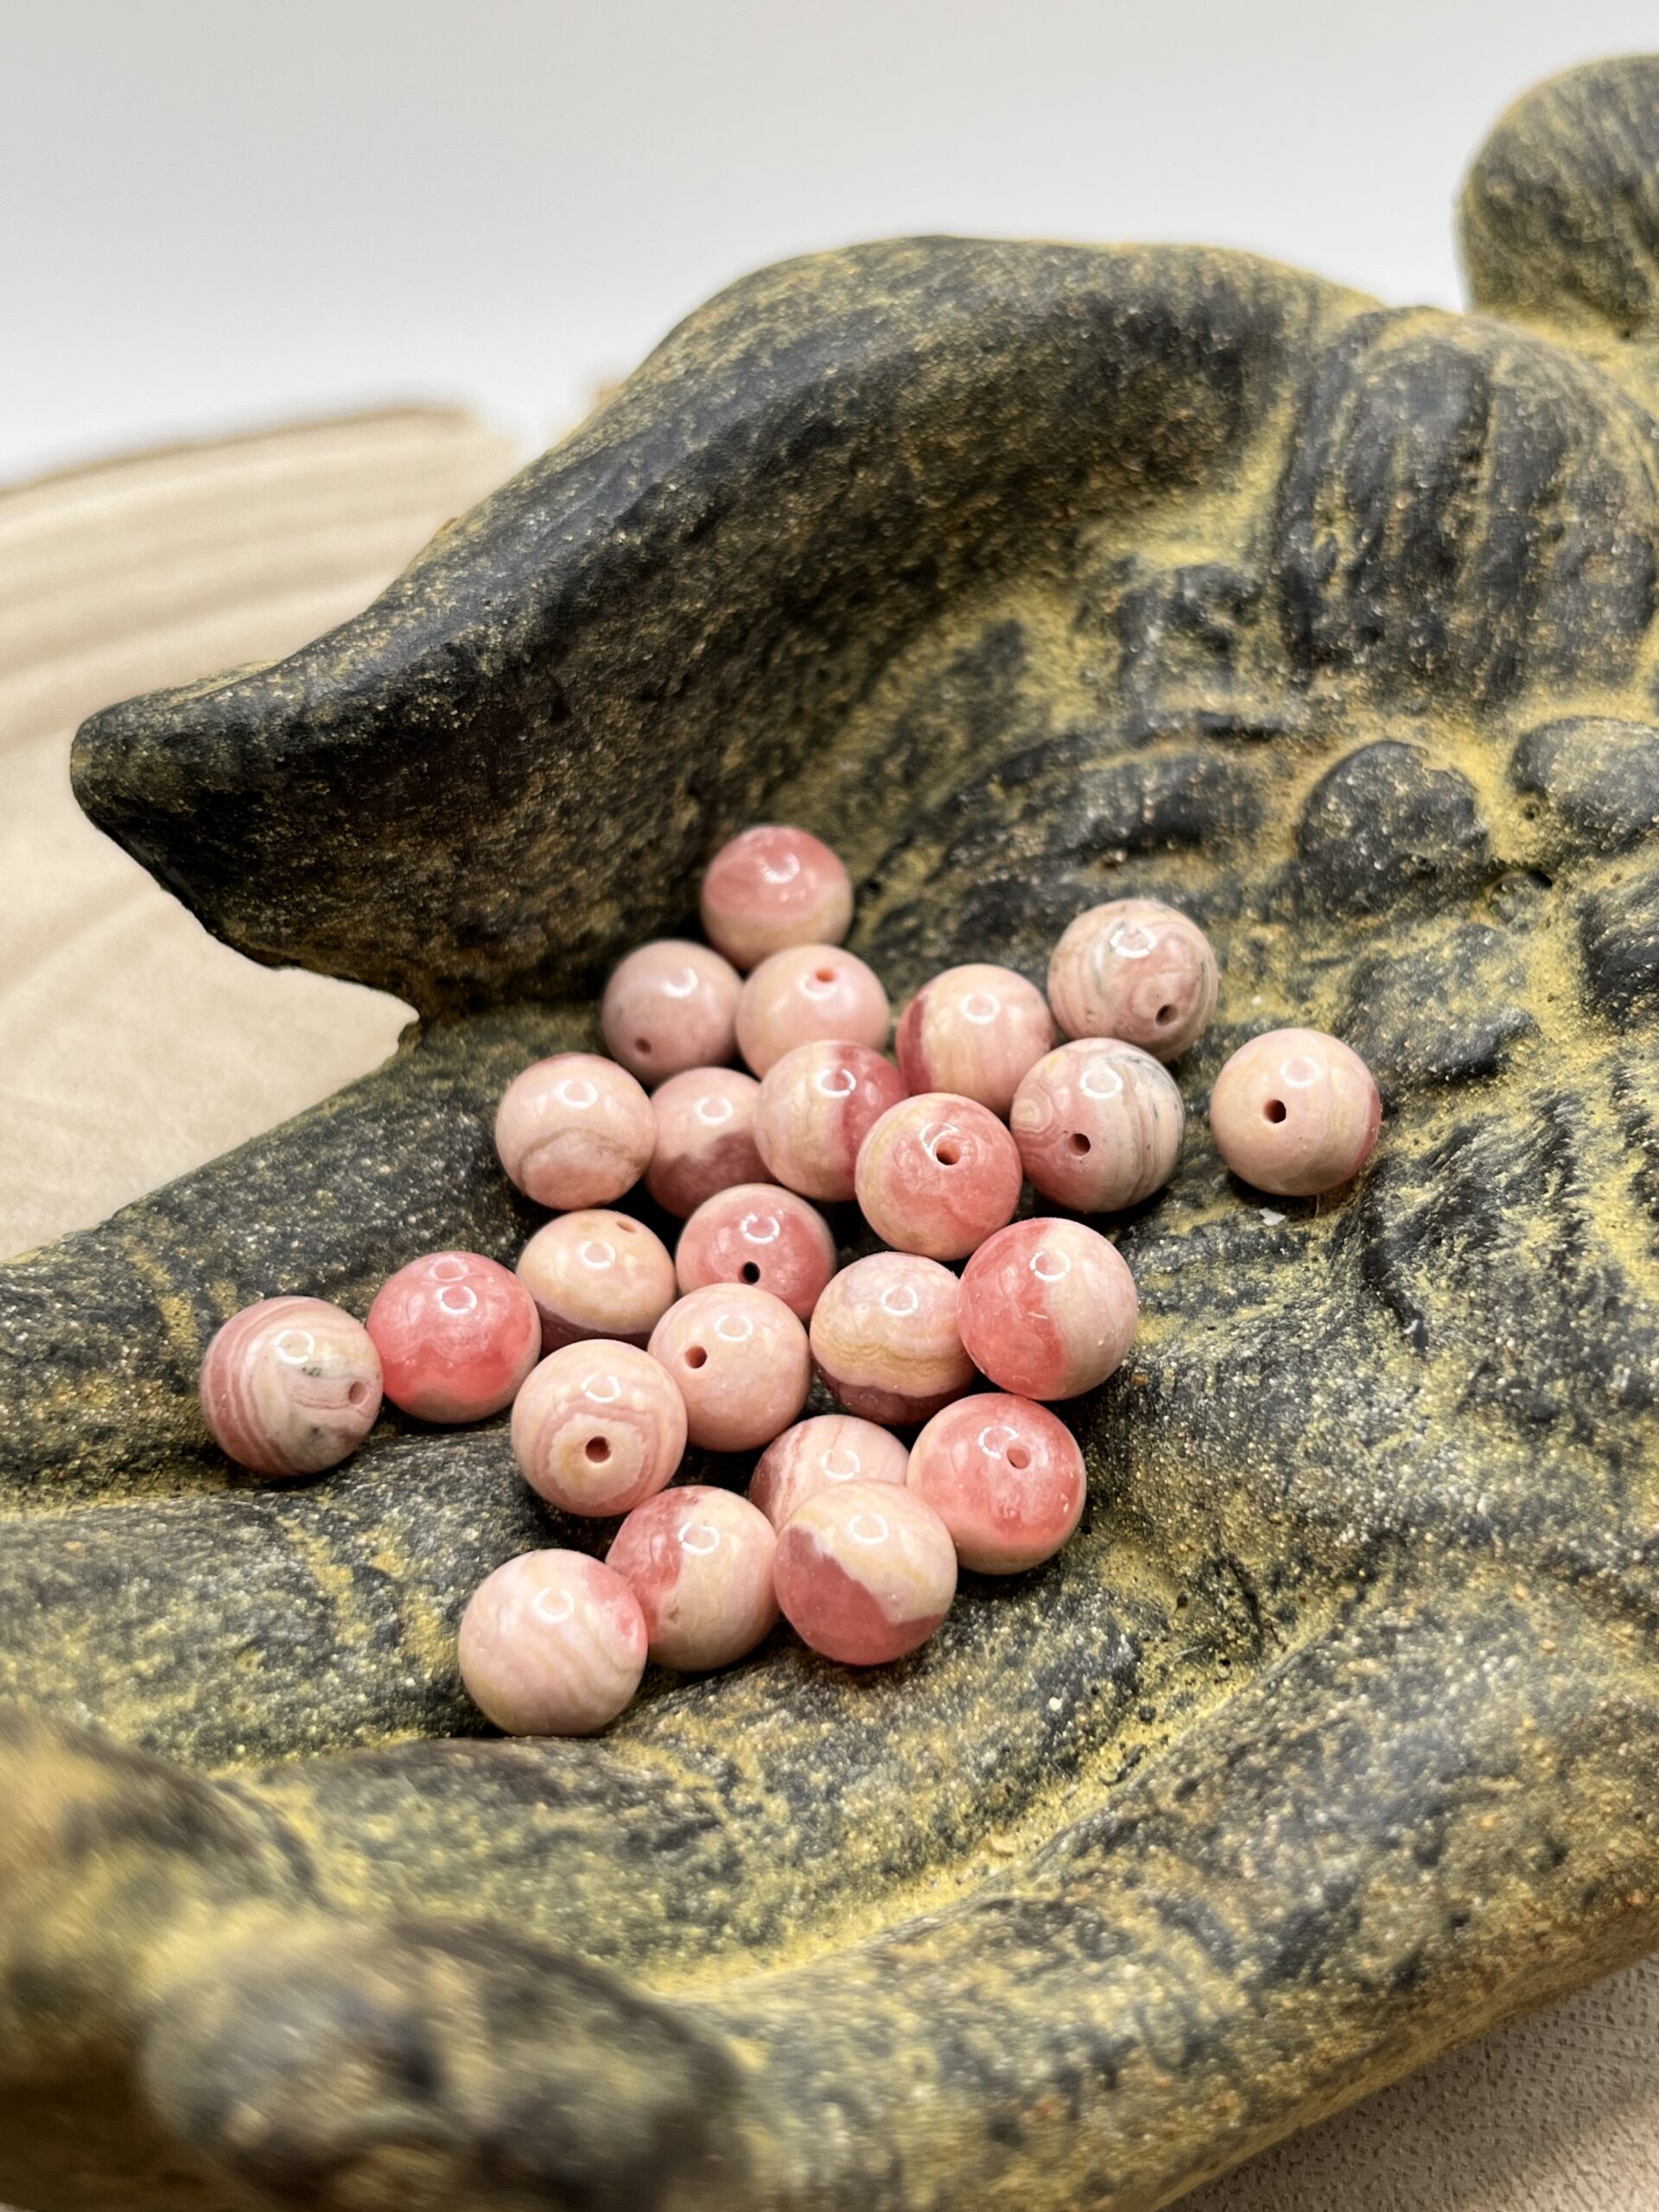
(1033, 576)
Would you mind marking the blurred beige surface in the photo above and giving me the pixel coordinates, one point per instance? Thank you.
(133, 1047)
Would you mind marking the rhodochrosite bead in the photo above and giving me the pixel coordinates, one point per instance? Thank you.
(772, 886)
(814, 1454)
(670, 1006)
(290, 1386)
(812, 990)
(599, 1427)
(817, 1106)
(865, 1573)
(575, 1130)
(699, 1561)
(1295, 1112)
(740, 1357)
(705, 1137)
(937, 1174)
(1099, 1125)
(886, 1339)
(456, 1334)
(595, 1273)
(1136, 970)
(1048, 1308)
(553, 1643)
(1005, 1476)
(756, 1233)
(975, 1031)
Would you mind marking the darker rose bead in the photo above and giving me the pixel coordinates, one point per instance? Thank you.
(575, 1130)
(973, 1031)
(1048, 1308)
(886, 1340)
(1137, 969)
(812, 990)
(1005, 1476)
(597, 1273)
(1099, 1125)
(553, 1643)
(1295, 1112)
(757, 1233)
(773, 886)
(937, 1174)
(700, 1562)
(670, 1005)
(290, 1386)
(456, 1334)
(704, 1137)
(818, 1104)
(865, 1573)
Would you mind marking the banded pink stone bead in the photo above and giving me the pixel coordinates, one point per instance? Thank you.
(973, 1030)
(937, 1174)
(772, 886)
(575, 1130)
(670, 1005)
(1099, 1125)
(1295, 1112)
(599, 1427)
(290, 1386)
(757, 1233)
(456, 1334)
(886, 1339)
(705, 1137)
(1137, 969)
(808, 991)
(1005, 1476)
(818, 1104)
(700, 1562)
(1048, 1308)
(553, 1643)
(740, 1360)
(815, 1454)
(865, 1573)
(597, 1273)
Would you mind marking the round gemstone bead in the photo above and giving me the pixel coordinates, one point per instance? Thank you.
(596, 1274)
(865, 1573)
(814, 1454)
(756, 1233)
(575, 1130)
(1048, 1308)
(886, 1340)
(456, 1334)
(1098, 1124)
(553, 1643)
(973, 1031)
(740, 1357)
(1005, 1476)
(1136, 970)
(772, 886)
(699, 1560)
(670, 1005)
(705, 1137)
(598, 1428)
(937, 1174)
(290, 1386)
(818, 1104)
(1295, 1112)
(811, 990)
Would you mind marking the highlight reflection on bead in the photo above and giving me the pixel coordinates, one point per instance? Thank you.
(973, 1030)
(816, 1454)
(597, 1273)
(1295, 1112)
(290, 1386)
(818, 1104)
(1048, 1308)
(740, 1360)
(772, 886)
(1099, 1125)
(575, 1130)
(670, 1005)
(937, 1174)
(704, 1137)
(1005, 1476)
(865, 1573)
(599, 1427)
(886, 1340)
(1137, 969)
(811, 990)
(553, 1643)
(700, 1562)
(456, 1334)
(757, 1233)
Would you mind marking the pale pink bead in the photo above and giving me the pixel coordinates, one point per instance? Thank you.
(553, 1643)
(772, 886)
(817, 1106)
(756, 1233)
(1137, 969)
(740, 1357)
(456, 1334)
(596, 1274)
(1099, 1125)
(1005, 1476)
(575, 1130)
(865, 1573)
(290, 1386)
(937, 1174)
(1295, 1112)
(705, 1137)
(886, 1340)
(1048, 1308)
(599, 1427)
(973, 1031)
(699, 1560)
(811, 990)
(830, 1448)
(670, 1005)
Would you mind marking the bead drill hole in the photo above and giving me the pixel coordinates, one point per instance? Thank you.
(1018, 1456)
(1164, 1016)
(642, 1044)
(949, 1154)
(696, 1357)
(1078, 1142)
(358, 1392)
(1274, 1111)
(823, 974)
(597, 1450)
(749, 1272)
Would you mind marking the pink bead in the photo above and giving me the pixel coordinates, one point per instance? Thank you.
(740, 1357)
(552, 1644)
(705, 1137)
(811, 990)
(772, 886)
(598, 1428)
(1136, 970)
(1295, 1112)
(756, 1233)
(575, 1130)
(1006, 1478)
(1048, 1308)
(973, 1031)
(456, 1334)
(595, 1273)
(699, 1560)
(814, 1454)
(817, 1105)
(865, 1573)
(1099, 1125)
(886, 1339)
(290, 1386)
(670, 1006)
(937, 1174)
